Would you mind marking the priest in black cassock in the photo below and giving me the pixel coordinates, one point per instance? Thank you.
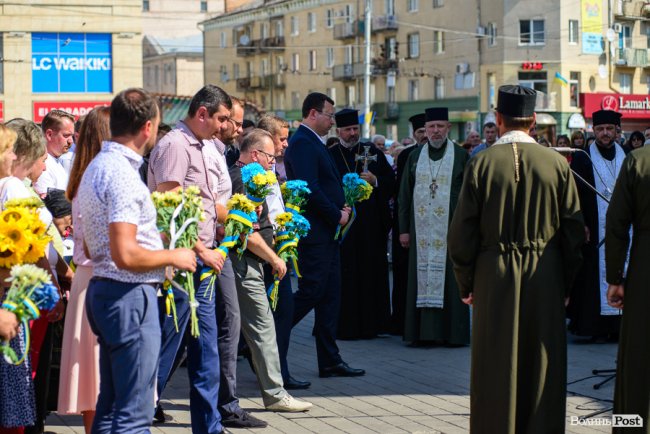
(400, 254)
(428, 194)
(599, 166)
(365, 292)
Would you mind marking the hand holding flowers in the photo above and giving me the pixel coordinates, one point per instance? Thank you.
(355, 190)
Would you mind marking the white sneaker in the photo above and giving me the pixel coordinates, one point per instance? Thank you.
(290, 404)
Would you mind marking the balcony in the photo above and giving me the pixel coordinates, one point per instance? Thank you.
(348, 30)
(275, 44)
(381, 66)
(348, 71)
(273, 80)
(384, 23)
(256, 82)
(632, 10)
(243, 84)
(392, 111)
(631, 57)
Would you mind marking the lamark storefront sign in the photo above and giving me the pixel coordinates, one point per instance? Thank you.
(630, 106)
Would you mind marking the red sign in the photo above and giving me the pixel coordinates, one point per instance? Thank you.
(2, 111)
(630, 106)
(532, 66)
(76, 109)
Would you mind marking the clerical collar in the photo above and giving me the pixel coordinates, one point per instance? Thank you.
(514, 136)
(607, 153)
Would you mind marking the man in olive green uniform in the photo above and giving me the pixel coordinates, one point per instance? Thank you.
(515, 244)
(428, 193)
(630, 205)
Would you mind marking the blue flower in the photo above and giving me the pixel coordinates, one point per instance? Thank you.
(45, 296)
(250, 170)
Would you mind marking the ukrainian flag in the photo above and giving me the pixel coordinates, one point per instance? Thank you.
(560, 80)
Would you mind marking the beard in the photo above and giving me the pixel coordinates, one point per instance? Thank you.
(438, 143)
(349, 144)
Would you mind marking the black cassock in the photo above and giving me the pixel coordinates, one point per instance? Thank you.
(365, 291)
(584, 302)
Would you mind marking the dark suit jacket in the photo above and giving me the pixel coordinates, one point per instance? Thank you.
(308, 159)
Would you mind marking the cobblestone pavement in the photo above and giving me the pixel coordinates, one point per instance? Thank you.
(415, 390)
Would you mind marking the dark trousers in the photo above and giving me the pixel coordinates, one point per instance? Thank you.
(320, 289)
(282, 316)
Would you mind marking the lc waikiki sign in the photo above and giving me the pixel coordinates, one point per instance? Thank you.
(71, 62)
(630, 106)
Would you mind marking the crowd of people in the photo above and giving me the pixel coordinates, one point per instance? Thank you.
(501, 224)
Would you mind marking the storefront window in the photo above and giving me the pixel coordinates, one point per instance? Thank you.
(574, 89)
(535, 80)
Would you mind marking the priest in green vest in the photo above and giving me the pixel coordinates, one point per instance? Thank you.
(427, 198)
(515, 241)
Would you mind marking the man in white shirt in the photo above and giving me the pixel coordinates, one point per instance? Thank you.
(58, 129)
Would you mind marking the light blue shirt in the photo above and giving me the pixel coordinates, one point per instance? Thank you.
(477, 149)
(111, 191)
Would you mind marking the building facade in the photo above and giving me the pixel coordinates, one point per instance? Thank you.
(67, 56)
(435, 53)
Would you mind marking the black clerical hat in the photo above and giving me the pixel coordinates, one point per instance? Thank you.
(606, 117)
(516, 101)
(436, 114)
(417, 121)
(346, 117)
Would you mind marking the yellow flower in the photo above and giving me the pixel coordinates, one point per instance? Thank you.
(260, 179)
(27, 202)
(14, 233)
(14, 214)
(240, 202)
(36, 249)
(283, 218)
(9, 258)
(270, 177)
(192, 190)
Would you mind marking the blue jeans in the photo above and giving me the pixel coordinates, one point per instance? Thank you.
(171, 340)
(124, 316)
(203, 363)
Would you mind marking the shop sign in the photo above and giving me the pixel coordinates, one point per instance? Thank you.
(76, 109)
(630, 106)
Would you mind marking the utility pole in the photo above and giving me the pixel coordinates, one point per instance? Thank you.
(367, 72)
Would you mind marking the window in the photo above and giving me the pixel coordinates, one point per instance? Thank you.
(438, 3)
(294, 26)
(350, 96)
(235, 71)
(626, 83)
(439, 87)
(145, 5)
(464, 81)
(349, 14)
(312, 60)
(413, 91)
(279, 28)
(574, 31)
(389, 7)
(531, 32)
(295, 62)
(391, 51)
(311, 22)
(329, 55)
(438, 42)
(647, 34)
(625, 37)
(491, 90)
(492, 34)
(279, 64)
(223, 41)
(412, 6)
(264, 67)
(647, 82)
(2, 78)
(331, 92)
(348, 54)
(534, 80)
(296, 103)
(329, 19)
(413, 42)
(574, 89)
(264, 30)
(204, 6)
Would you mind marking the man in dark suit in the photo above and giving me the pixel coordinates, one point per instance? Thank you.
(319, 261)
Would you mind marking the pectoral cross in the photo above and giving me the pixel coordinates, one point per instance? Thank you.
(365, 157)
(433, 188)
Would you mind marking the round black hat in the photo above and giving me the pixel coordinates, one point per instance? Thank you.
(417, 121)
(516, 101)
(346, 117)
(436, 114)
(601, 117)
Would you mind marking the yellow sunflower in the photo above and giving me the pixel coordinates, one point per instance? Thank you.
(283, 218)
(36, 249)
(14, 214)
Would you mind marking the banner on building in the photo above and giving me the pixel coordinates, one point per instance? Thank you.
(592, 26)
(75, 108)
(71, 63)
(630, 106)
(2, 111)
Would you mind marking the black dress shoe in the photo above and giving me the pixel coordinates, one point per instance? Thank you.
(243, 420)
(160, 416)
(293, 384)
(340, 370)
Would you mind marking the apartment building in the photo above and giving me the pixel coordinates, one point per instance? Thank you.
(71, 56)
(575, 53)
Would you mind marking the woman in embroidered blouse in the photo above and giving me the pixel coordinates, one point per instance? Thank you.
(80, 353)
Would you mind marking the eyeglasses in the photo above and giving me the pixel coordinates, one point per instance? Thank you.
(271, 157)
(236, 123)
(329, 115)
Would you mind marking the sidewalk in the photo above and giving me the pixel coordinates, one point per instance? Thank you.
(414, 390)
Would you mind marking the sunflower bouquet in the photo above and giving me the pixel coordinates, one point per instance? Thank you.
(178, 214)
(290, 227)
(355, 190)
(31, 290)
(23, 236)
(239, 224)
(258, 182)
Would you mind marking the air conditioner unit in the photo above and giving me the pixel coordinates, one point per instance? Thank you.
(617, 28)
(462, 68)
